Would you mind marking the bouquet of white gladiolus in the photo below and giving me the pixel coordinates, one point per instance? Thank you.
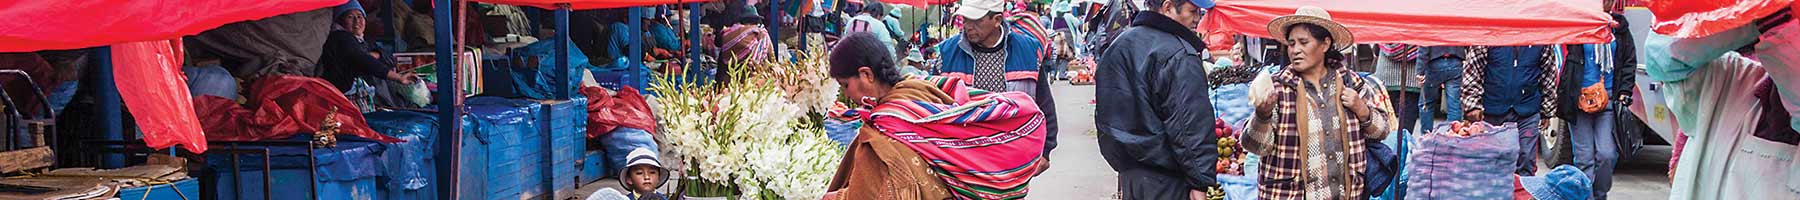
(758, 136)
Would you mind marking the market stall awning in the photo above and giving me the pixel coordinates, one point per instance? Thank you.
(589, 4)
(1425, 22)
(1700, 18)
(51, 25)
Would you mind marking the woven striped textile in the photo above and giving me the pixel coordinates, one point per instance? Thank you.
(984, 146)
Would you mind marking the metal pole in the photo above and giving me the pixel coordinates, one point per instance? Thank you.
(111, 112)
(449, 104)
(694, 52)
(635, 72)
(775, 24)
(399, 44)
(562, 51)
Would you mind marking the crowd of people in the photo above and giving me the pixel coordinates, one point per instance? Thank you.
(1316, 113)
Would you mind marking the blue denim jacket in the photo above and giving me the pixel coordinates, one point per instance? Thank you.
(1510, 80)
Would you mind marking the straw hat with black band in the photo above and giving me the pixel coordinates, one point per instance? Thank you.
(1340, 36)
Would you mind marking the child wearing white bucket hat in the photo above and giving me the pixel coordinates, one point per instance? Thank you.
(643, 173)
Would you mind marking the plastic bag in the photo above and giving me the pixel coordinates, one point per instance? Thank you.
(620, 143)
(151, 88)
(607, 112)
(417, 93)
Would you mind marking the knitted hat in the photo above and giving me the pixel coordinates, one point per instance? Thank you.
(342, 9)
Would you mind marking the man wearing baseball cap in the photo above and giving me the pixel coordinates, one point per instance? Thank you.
(995, 59)
(1155, 122)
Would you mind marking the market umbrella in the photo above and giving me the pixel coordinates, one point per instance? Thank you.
(1425, 22)
(1700, 18)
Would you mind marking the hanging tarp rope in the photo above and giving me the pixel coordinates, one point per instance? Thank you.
(50, 25)
(1700, 18)
(1426, 22)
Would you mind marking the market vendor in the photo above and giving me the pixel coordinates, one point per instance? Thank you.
(742, 44)
(348, 57)
(1312, 127)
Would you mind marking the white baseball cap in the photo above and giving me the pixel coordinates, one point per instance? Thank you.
(975, 9)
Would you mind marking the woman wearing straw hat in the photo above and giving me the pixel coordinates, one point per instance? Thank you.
(1312, 128)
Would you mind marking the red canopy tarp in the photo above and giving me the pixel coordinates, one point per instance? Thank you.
(1700, 18)
(57, 24)
(1425, 22)
(589, 4)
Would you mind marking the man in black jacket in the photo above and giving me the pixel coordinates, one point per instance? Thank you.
(1155, 120)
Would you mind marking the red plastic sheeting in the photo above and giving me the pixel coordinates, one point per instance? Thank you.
(283, 106)
(1700, 18)
(71, 24)
(606, 113)
(152, 86)
(1425, 22)
(589, 4)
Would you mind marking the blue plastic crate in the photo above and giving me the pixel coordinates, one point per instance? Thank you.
(347, 171)
(179, 190)
(593, 166)
(509, 151)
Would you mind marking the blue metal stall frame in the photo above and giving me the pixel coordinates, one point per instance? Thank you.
(450, 99)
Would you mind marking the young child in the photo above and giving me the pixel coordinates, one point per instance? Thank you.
(643, 173)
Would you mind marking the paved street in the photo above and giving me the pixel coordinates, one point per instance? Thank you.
(1078, 172)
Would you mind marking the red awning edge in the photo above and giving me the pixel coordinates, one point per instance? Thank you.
(1426, 22)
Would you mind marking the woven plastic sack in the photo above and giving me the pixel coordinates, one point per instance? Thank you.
(1232, 103)
(211, 80)
(621, 141)
(1451, 167)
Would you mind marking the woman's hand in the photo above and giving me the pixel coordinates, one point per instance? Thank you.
(403, 78)
(1355, 102)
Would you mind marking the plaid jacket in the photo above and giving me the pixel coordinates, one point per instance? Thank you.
(1282, 150)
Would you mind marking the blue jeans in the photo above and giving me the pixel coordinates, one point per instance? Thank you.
(1443, 81)
(1528, 140)
(1595, 150)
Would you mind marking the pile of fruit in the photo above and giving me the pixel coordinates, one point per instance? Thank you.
(1231, 156)
(1463, 129)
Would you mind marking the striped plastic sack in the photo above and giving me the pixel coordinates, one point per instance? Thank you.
(1479, 166)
